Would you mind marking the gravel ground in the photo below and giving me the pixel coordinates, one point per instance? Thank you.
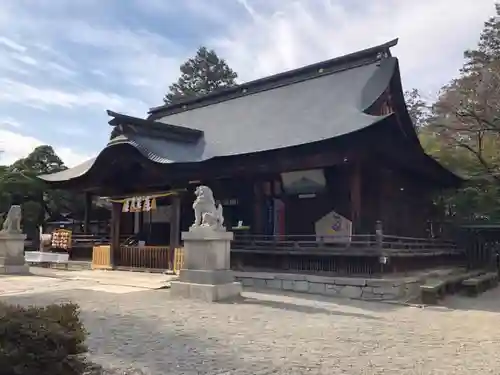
(285, 334)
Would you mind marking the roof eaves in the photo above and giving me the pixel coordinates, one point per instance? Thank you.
(150, 155)
(121, 119)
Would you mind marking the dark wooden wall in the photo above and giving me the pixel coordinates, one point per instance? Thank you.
(363, 192)
(400, 201)
(360, 187)
(126, 223)
(252, 192)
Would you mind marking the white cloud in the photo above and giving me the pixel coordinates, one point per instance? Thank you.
(15, 146)
(433, 35)
(60, 69)
(139, 58)
(37, 97)
(32, 63)
(70, 157)
(11, 44)
(10, 122)
(28, 60)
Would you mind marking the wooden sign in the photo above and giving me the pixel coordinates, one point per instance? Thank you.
(139, 204)
(61, 239)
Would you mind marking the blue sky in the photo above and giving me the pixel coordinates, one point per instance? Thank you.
(64, 62)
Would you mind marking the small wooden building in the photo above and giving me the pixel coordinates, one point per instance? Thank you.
(324, 150)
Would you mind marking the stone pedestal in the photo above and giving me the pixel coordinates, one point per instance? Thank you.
(206, 275)
(12, 254)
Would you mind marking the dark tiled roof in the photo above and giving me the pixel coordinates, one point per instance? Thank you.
(310, 104)
(70, 173)
(324, 107)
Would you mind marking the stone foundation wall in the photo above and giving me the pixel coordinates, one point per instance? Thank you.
(403, 288)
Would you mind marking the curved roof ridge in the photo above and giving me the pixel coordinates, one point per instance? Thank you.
(310, 71)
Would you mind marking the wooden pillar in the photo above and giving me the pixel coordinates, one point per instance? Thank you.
(379, 239)
(257, 209)
(116, 212)
(175, 226)
(86, 217)
(379, 234)
(388, 201)
(355, 191)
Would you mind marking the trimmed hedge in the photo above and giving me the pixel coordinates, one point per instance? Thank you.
(46, 340)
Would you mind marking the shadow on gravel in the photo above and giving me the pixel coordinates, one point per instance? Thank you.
(373, 306)
(20, 275)
(306, 309)
(121, 339)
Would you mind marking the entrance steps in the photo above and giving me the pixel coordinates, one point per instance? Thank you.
(471, 283)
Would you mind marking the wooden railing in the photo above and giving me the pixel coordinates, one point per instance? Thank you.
(354, 245)
(152, 258)
(178, 259)
(85, 240)
(303, 243)
(357, 254)
(144, 257)
(412, 245)
(101, 257)
(82, 244)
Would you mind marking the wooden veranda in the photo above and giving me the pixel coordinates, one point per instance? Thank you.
(358, 255)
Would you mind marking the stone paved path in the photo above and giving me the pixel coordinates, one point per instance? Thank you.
(119, 278)
(278, 334)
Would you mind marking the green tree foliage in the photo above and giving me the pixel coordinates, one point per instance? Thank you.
(465, 117)
(467, 113)
(19, 185)
(200, 75)
(463, 128)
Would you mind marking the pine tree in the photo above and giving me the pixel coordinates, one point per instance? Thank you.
(488, 48)
(200, 75)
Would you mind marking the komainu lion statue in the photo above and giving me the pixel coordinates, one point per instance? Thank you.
(12, 223)
(206, 213)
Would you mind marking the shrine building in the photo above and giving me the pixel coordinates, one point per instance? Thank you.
(326, 151)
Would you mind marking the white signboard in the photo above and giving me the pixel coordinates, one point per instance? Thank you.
(334, 227)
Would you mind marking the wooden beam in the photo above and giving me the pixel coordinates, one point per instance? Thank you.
(175, 225)
(289, 162)
(355, 191)
(88, 208)
(116, 212)
(258, 201)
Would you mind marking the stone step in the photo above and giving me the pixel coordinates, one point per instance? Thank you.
(70, 266)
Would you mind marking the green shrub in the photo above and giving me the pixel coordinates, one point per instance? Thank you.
(42, 340)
